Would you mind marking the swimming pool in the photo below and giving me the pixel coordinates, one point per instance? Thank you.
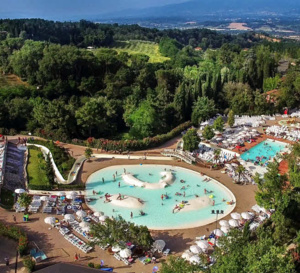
(265, 150)
(158, 213)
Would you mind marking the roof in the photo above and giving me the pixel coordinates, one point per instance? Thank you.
(67, 268)
(273, 92)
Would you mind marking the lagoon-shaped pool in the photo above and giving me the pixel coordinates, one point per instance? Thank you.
(147, 183)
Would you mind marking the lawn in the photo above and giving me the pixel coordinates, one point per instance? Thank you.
(36, 173)
(140, 47)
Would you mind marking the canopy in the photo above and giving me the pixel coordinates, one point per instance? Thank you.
(233, 223)
(187, 255)
(69, 217)
(159, 244)
(116, 248)
(44, 198)
(195, 259)
(19, 191)
(202, 244)
(125, 253)
(224, 223)
(195, 249)
(81, 213)
(225, 229)
(50, 220)
(235, 216)
(218, 232)
(103, 218)
(98, 213)
(246, 215)
(61, 193)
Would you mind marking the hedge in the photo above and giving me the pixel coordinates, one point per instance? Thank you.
(16, 234)
(133, 145)
(57, 186)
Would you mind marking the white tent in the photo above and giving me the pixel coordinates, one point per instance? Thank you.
(50, 220)
(81, 213)
(69, 217)
(125, 253)
(19, 191)
(218, 232)
(195, 259)
(159, 244)
(195, 249)
(233, 223)
(235, 216)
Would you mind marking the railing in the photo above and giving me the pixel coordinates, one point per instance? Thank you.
(179, 154)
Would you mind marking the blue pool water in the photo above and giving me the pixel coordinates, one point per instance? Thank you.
(158, 213)
(264, 150)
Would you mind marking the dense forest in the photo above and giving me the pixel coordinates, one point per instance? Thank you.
(72, 92)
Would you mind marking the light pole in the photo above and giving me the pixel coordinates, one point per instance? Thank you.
(217, 212)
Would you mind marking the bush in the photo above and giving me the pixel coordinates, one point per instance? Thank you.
(97, 266)
(16, 234)
(29, 263)
(91, 265)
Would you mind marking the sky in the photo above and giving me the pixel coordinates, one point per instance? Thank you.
(66, 8)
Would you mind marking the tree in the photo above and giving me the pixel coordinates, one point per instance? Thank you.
(191, 140)
(219, 124)
(208, 132)
(25, 200)
(240, 170)
(49, 169)
(88, 153)
(217, 153)
(203, 109)
(178, 265)
(231, 119)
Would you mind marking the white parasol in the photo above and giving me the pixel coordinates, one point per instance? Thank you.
(224, 223)
(44, 198)
(86, 229)
(19, 191)
(61, 193)
(50, 220)
(195, 249)
(116, 248)
(195, 259)
(225, 229)
(202, 244)
(103, 218)
(125, 253)
(246, 216)
(69, 217)
(84, 224)
(235, 215)
(81, 213)
(233, 223)
(159, 244)
(218, 232)
(187, 255)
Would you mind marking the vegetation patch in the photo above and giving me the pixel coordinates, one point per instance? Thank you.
(7, 198)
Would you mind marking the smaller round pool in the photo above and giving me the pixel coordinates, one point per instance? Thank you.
(156, 190)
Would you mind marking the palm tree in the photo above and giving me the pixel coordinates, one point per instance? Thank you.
(240, 170)
(217, 153)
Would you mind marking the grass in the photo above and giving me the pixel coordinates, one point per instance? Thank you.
(132, 47)
(36, 173)
(7, 198)
(10, 80)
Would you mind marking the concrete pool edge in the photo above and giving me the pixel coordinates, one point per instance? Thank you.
(189, 225)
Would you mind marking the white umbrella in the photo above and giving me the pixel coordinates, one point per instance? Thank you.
(224, 223)
(103, 218)
(233, 223)
(44, 198)
(86, 229)
(69, 217)
(125, 253)
(81, 213)
(258, 209)
(218, 232)
(195, 249)
(116, 248)
(159, 244)
(98, 213)
(202, 244)
(187, 255)
(50, 220)
(243, 163)
(225, 229)
(84, 224)
(19, 191)
(229, 139)
(61, 193)
(234, 164)
(246, 215)
(225, 141)
(235, 216)
(195, 259)
(219, 138)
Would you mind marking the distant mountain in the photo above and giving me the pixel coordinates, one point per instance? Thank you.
(206, 8)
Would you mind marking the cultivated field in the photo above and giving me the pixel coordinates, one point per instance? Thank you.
(140, 47)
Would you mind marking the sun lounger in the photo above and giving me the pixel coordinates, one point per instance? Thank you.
(117, 256)
(166, 252)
